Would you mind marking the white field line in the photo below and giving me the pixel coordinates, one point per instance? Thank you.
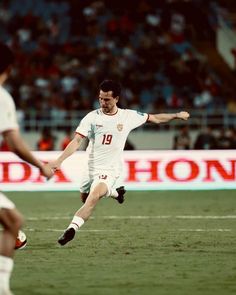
(205, 230)
(206, 217)
(213, 217)
(81, 230)
(138, 217)
(116, 230)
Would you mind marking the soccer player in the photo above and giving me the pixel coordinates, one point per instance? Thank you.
(10, 218)
(107, 129)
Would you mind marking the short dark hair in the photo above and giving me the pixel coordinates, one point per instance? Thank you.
(110, 85)
(6, 57)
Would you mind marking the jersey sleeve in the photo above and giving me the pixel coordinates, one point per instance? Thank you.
(8, 118)
(136, 118)
(85, 125)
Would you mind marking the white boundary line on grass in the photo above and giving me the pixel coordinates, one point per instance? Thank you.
(213, 217)
(62, 230)
(205, 230)
(138, 217)
(116, 230)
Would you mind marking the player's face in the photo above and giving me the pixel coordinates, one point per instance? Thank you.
(108, 102)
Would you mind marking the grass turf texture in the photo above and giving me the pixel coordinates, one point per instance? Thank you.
(158, 253)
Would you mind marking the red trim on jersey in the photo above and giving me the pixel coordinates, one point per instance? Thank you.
(80, 134)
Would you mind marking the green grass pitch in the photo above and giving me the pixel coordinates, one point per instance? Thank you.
(155, 243)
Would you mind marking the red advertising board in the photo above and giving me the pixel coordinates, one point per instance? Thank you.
(143, 170)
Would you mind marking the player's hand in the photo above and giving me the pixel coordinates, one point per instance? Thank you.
(183, 115)
(54, 165)
(47, 171)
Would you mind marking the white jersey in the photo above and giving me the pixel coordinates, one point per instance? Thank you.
(107, 135)
(8, 118)
(8, 121)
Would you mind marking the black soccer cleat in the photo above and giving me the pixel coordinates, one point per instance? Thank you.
(67, 236)
(121, 192)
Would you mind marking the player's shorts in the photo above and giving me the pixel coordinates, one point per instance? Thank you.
(5, 202)
(89, 181)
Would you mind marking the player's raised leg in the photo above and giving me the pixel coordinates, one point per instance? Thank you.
(118, 191)
(117, 194)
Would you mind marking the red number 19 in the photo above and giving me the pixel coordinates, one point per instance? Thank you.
(107, 139)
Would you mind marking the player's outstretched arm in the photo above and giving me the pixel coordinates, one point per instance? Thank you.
(18, 146)
(163, 118)
(68, 151)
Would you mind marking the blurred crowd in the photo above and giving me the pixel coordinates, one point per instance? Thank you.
(206, 139)
(64, 49)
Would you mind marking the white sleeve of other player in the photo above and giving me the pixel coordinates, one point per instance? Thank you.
(136, 118)
(85, 124)
(8, 118)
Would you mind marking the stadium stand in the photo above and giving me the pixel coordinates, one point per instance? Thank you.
(65, 48)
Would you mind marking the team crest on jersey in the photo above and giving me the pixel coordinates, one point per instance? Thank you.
(120, 127)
